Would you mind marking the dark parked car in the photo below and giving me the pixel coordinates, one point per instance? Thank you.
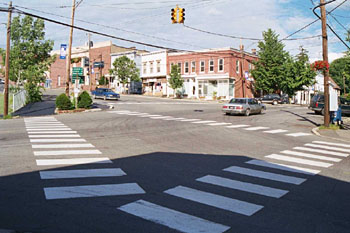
(244, 106)
(105, 93)
(317, 104)
(273, 99)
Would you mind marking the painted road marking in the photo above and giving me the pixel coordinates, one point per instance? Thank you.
(243, 186)
(59, 140)
(65, 174)
(118, 111)
(327, 147)
(45, 124)
(276, 131)
(52, 132)
(312, 156)
(256, 128)
(321, 151)
(67, 152)
(297, 160)
(174, 119)
(85, 145)
(171, 218)
(161, 117)
(219, 124)
(49, 162)
(55, 136)
(202, 122)
(92, 191)
(188, 120)
(298, 134)
(221, 202)
(151, 116)
(236, 126)
(332, 144)
(49, 129)
(265, 175)
(284, 167)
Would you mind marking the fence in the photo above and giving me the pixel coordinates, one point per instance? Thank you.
(19, 100)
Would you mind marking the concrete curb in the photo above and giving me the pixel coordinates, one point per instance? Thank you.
(93, 110)
(315, 131)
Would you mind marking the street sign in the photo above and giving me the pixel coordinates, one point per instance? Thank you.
(246, 75)
(81, 79)
(63, 51)
(78, 71)
(99, 64)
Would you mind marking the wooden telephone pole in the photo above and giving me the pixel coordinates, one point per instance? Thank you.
(325, 59)
(7, 65)
(68, 80)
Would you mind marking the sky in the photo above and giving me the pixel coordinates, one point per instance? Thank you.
(149, 22)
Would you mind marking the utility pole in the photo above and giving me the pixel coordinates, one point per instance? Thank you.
(68, 80)
(241, 68)
(7, 65)
(325, 60)
(90, 76)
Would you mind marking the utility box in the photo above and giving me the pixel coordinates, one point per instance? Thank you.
(135, 87)
(333, 99)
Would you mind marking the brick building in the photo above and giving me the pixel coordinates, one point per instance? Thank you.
(215, 72)
(98, 58)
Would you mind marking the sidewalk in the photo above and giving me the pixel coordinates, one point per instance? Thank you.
(341, 134)
(47, 106)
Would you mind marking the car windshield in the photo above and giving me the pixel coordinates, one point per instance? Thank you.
(107, 90)
(238, 101)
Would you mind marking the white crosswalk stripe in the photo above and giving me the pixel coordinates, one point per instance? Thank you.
(68, 174)
(243, 186)
(202, 122)
(284, 167)
(312, 156)
(161, 117)
(55, 136)
(67, 152)
(327, 147)
(327, 152)
(256, 128)
(219, 124)
(276, 131)
(298, 134)
(92, 191)
(188, 120)
(51, 162)
(174, 119)
(265, 175)
(332, 144)
(171, 218)
(50, 146)
(49, 129)
(298, 160)
(236, 126)
(59, 140)
(221, 202)
(52, 132)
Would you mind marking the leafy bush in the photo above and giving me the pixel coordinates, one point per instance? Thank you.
(63, 102)
(33, 92)
(84, 100)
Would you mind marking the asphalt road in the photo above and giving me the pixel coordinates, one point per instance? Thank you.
(172, 165)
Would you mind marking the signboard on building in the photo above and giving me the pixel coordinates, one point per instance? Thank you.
(63, 51)
(99, 64)
(78, 71)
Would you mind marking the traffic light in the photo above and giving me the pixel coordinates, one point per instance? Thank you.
(174, 15)
(181, 15)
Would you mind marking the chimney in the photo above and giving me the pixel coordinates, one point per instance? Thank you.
(254, 51)
(241, 47)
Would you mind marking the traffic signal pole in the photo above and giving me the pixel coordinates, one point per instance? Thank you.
(325, 60)
(7, 65)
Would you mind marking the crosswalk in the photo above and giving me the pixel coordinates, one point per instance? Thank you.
(54, 144)
(228, 125)
(282, 171)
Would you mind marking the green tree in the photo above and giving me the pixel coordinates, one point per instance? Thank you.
(175, 81)
(29, 54)
(340, 69)
(269, 70)
(125, 69)
(103, 80)
(298, 74)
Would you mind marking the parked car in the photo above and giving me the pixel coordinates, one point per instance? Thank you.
(317, 104)
(105, 93)
(245, 106)
(273, 99)
(2, 81)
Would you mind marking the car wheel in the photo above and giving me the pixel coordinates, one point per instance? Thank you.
(104, 98)
(274, 102)
(94, 96)
(247, 112)
(227, 113)
(261, 110)
(322, 112)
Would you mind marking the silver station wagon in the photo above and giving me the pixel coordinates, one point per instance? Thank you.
(245, 106)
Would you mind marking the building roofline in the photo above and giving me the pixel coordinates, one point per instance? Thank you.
(212, 50)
